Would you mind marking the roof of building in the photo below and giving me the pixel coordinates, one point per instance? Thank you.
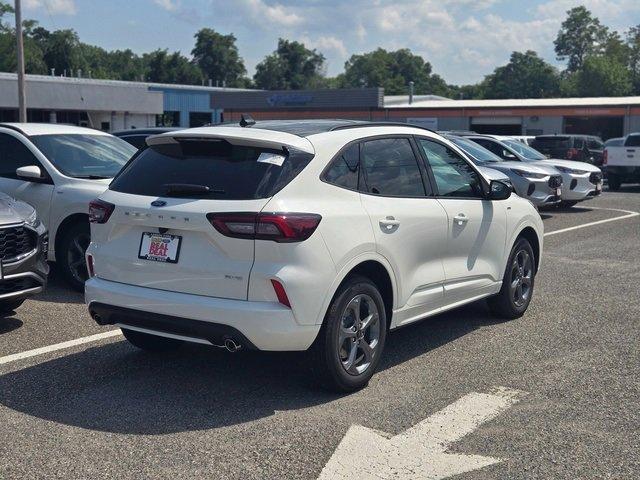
(51, 129)
(512, 102)
(120, 83)
(391, 100)
(145, 131)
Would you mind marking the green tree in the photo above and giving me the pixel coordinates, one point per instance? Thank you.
(291, 66)
(600, 76)
(580, 35)
(218, 58)
(525, 76)
(633, 45)
(393, 71)
(163, 67)
(61, 49)
(34, 62)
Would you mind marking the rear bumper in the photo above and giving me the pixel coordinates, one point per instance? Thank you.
(259, 325)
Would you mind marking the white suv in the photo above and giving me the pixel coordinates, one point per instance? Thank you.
(59, 169)
(318, 235)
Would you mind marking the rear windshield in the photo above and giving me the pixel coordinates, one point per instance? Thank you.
(209, 169)
(545, 143)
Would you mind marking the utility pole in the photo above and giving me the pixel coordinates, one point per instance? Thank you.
(22, 102)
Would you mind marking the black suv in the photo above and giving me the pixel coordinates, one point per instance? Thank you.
(23, 253)
(581, 148)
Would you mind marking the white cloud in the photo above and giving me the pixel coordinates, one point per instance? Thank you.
(168, 5)
(275, 14)
(54, 7)
(327, 44)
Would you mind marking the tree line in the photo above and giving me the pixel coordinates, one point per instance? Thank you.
(599, 62)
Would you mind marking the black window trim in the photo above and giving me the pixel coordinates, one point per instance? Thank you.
(46, 179)
(432, 179)
(424, 174)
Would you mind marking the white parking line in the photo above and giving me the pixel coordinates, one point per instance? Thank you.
(58, 346)
(115, 333)
(630, 213)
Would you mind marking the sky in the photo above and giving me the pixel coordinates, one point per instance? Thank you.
(464, 40)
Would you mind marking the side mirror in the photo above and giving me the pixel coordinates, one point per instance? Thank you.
(498, 190)
(30, 173)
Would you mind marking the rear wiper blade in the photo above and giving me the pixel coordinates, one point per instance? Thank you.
(189, 189)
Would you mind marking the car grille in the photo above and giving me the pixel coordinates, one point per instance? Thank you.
(16, 241)
(595, 177)
(555, 181)
(17, 285)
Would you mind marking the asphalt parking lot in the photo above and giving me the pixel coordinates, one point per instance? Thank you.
(105, 410)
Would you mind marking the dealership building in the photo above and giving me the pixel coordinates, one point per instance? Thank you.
(116, 105)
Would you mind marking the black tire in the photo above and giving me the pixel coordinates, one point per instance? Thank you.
(70, 255)
(327, 352)
(568, 203)
(150, 343)
(613, 182)
(9, 306)
(504, 304)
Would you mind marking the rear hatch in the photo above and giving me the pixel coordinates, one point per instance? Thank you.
(159, 235)
(555, 146)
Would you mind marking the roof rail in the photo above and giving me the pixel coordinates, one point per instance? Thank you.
(380, 124)
(13, 127)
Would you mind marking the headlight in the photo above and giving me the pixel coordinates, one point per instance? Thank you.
(33, 220)
(525, 174)
(571, 171)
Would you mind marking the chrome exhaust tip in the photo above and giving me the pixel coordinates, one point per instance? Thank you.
(231, 345)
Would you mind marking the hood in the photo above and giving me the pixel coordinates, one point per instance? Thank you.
(525, 167)
(12, 210)
(492, 174)
(554, 162)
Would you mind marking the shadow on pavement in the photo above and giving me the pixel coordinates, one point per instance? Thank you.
(58, 291)
(9, 324)
(116, 388)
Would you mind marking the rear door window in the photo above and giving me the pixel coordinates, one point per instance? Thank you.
(547, 143)
(343, 171)
(632, 141)
(390, 168)
(196, 168)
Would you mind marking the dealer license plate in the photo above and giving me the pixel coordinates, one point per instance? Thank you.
(160, 247)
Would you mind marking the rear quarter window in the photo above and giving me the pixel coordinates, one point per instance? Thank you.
(229, 172)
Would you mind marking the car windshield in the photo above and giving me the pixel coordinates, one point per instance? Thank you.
(85, 155)
(524, 150)
(477, 153)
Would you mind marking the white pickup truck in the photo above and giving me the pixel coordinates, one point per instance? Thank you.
(622, 164)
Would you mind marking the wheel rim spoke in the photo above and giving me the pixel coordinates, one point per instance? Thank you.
(358, 334)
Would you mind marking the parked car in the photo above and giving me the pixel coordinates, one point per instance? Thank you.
(581, 181)
(540, 186)
(59, 169)
(614, 142)
(623, 162)
(526, 139)
(137, 136)
(581, 148)
(317, 235)
(23, 253)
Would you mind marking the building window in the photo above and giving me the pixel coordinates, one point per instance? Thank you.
(105, 126)
(198, 119)
(168, 119)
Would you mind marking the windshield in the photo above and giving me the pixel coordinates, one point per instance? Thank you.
(524, 150)
(85, 156)
(477, 153)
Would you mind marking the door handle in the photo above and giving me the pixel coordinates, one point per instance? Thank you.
(460, 219)
(389, 223)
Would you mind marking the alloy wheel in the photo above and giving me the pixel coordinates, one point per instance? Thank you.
(359, 334)
(521, 278)
(75, 257)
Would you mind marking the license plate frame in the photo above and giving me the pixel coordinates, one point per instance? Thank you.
(170, 258)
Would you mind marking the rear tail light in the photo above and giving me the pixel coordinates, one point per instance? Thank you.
(279, 227)
(280, 293)
(605, 157)
(90, 268)
(572, 153)
(100, 211)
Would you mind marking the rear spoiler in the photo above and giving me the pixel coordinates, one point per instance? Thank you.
(254, 137)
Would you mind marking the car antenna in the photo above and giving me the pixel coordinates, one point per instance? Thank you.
(246, 120)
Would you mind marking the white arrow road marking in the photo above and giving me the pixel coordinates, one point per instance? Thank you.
(419, 453)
